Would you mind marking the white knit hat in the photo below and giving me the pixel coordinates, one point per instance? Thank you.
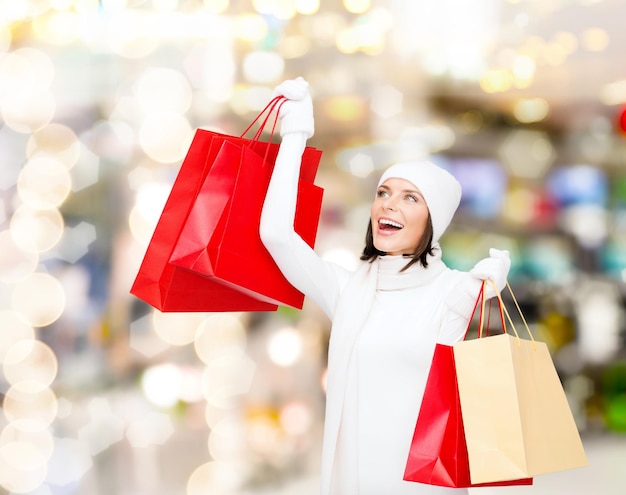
(441, 191)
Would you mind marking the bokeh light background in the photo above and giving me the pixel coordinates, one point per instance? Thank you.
(99, 99)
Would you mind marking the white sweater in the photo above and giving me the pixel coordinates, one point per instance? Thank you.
(380, 350)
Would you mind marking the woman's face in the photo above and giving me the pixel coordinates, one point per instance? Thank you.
(399, 215)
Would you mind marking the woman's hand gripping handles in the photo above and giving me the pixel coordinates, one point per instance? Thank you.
(495, 268)
(296, 113)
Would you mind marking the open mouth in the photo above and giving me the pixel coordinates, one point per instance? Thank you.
(389, 225)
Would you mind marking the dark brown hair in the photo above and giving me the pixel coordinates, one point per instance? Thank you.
(423, 250)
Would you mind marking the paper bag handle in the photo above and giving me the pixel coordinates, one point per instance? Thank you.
(274, 104)
(501, 303)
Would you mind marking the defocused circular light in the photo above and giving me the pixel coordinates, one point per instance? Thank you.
(56, 140)
(44, 183)
(285, 347)
(25, 72)
(595, 39)
(15, 262)
(18, 480)
(531, 110)
(307, 7)
(35, 411)
(29, 113)
(216, 6)
(215, 477)
(32, 363)
(496, 80)
(250, 27)
(161, 384)
(227, 377)
(13, 329)
(357, 6)
(227, 440)
(17, 431)
(39, 298)
(277, 8)
(166, 137)
(36, 231)
(176, 328)
(345, 108)
(217, 335)
(263, 67)
(59, 28)
(162, 90)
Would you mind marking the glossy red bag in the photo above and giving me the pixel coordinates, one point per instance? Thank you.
(438, 453)
(170, 288)
(220, 239)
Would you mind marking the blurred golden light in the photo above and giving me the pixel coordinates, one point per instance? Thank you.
(295, 46)
(36, 231)
(44, 183)
(348, 41)
(39, 298)
(556, 54)
(30, 363)
(161, 90)
(176, 328)
(307, 7)
(357, 6)
(523, 67)
(344, 108)
(471, 121)
(22, 456)
(35, 411)
(527, 154)
(13, 330)
(165, 137)
(58, 28)
(519, 205)
(263, 67)
(281, 9)
(140, 228)
(216, 477)
(496, 80)
(250, 27)
(531, 110)
(56, 140)
(161, 384)
(216, 6)
(595, 39)
(285, 347)
(15, 262)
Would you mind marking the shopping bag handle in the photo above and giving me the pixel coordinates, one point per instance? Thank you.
(274, 105)
(506, 312)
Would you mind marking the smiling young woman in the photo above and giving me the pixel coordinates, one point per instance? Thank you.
(387, 315)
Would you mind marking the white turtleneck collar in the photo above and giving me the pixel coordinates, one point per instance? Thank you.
(390, 276)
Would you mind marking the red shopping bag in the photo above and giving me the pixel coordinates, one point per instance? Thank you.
(170, 288)
(220, 238)
(438, 453)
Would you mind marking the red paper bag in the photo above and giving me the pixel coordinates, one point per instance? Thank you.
(220, 238)
(167, 287)
(224, 243)
(438, 453)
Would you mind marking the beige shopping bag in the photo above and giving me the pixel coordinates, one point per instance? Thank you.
(517, 420)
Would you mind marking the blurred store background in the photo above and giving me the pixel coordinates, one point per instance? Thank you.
(523, 100)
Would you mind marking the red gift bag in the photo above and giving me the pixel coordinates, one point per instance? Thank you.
(220, 238)
(170, 288)
(438, 453)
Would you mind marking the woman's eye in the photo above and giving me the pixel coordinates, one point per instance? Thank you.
(412, 198)
(382, 193)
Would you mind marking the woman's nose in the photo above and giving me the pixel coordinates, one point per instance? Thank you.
(390, 203)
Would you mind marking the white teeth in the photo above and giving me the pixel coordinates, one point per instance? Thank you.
(386, 221)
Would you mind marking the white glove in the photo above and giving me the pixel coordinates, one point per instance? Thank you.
(296, 113)
(495, 268)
